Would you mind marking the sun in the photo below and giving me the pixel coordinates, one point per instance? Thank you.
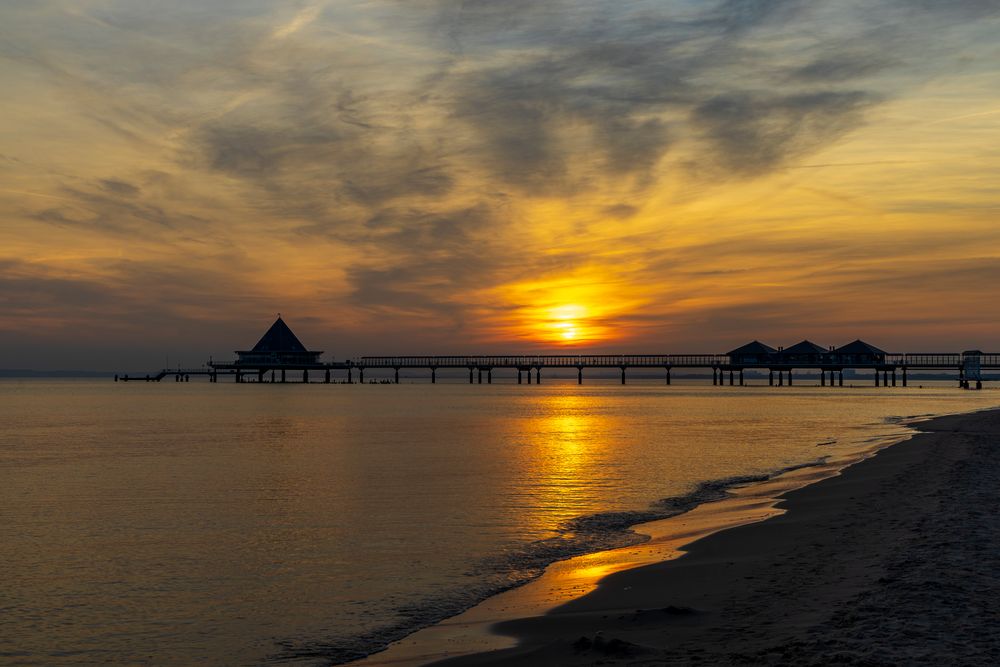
(565, 323)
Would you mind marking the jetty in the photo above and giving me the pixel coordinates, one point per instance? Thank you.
(279, 352)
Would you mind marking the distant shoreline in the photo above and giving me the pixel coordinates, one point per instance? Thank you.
(16, 373)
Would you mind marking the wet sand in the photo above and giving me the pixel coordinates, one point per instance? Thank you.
(894, 561)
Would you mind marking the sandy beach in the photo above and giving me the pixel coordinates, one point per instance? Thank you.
(894, 561)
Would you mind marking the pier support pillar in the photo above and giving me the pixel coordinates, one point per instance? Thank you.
(840, 380)
(529, 376)
(282, 376)
(789, 377)
(305, 376)
(822, 378)
(239, 376)
(904, 376)
(538, 375)
(731, 377)
(714, 381)
(741, 377)
(397, 375)
(489, 376)
(350, 376)
(876, 377)
(885, 378)
(781, 378)
(668, 376)
(326, 377)
(579, 374)
(961, 377)
(361, 376)
(480, 376)
(519, 376)
(470, 374)
(433, 376)
(770, 377)
(893, 377)
(623, 375)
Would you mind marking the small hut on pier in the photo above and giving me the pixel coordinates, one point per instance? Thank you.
(806, 353)
(751, 354)
(858, 353)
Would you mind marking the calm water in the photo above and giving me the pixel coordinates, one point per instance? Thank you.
(238, 524)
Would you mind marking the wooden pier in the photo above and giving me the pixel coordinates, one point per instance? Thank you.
(279, 352)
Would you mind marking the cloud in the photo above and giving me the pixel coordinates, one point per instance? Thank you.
(753, 133)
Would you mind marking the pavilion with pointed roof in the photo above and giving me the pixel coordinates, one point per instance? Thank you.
(278, 347)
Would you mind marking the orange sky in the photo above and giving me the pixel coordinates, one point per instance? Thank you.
(440, 176)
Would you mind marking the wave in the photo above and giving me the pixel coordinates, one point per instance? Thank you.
(579, 536)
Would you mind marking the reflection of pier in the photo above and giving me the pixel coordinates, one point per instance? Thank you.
(280, 352)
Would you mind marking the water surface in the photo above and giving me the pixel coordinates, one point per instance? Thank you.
(171, 523)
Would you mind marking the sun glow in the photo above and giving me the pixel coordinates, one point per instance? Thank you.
(565, 322)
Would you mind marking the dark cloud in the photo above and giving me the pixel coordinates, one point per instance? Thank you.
(119, 187)
(753, 133)
(839, 67)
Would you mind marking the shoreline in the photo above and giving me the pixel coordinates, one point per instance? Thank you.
(471, 632)
(896, 559)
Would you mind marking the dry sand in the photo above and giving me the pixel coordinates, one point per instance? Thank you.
(894, 561)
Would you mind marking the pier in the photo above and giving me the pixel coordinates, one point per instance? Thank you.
(279, 352)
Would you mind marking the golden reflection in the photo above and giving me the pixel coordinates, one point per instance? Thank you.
(566, 450)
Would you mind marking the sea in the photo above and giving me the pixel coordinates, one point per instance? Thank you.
(312, 524)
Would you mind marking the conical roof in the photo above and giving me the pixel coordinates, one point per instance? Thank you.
(279, 338)
(805, 347)
(755, 347)
(859, 347)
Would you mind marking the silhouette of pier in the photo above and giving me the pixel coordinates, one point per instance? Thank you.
(279, 351)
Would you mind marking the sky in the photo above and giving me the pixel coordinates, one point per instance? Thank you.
(492, 176)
